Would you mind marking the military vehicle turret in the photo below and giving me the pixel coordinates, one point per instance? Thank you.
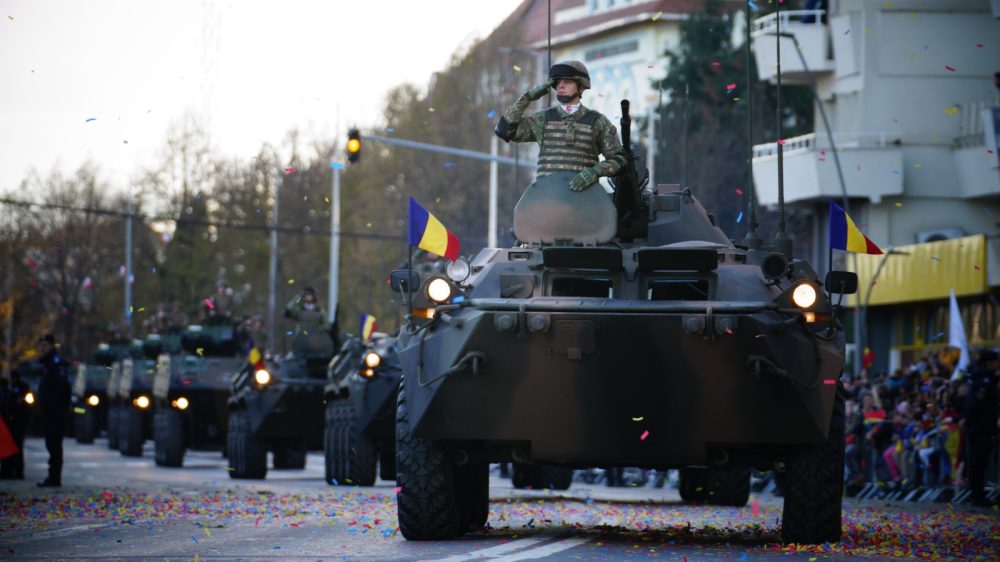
(622, 330)
(277, 405)
(193, 380)
(360, 431)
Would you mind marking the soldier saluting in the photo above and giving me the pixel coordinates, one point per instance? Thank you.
(570, 136)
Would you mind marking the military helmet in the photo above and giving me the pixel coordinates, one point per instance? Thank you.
(571, 70)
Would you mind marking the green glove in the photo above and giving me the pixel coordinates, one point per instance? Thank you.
(584, 179)
(539, 90)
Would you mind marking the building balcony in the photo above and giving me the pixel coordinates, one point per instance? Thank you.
(977, 153)
(813, 36)
(872, 164)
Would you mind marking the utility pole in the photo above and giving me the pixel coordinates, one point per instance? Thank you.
(272, 276)
(128, 266)
(651, 145)
(8, 335)
(334, 241)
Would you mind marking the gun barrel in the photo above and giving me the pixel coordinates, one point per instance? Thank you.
(626, 123)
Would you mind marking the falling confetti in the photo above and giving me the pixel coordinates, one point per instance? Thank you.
(657, 15)
(644, 435)
(739, 191)
(754, 508)
(935, 258)
(208, 303)
(90, 119)
(951, 110)
(979, 45)
(781, 142)
(291, 170)
(517, 68)
(949, 68)
(491, 114)
(753, 5)
(390, 130)
(450, 165)
(846, 32)
(899, 204)
(716, 63)
(739, 217)
(639, 419)
(730, 87)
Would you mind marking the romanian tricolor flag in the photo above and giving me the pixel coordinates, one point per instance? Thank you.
(427, 233)
(255, 357)
(844, 235)
(368, 326)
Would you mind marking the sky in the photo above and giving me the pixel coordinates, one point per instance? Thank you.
(105, 79)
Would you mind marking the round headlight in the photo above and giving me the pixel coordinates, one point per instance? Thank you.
(438, 290)
(29, 398)
(804, 295)
(142, 401)
(181, 403)
(93, 400)
(368, 373)
(262, 377)
(459, 270)
(372, 359)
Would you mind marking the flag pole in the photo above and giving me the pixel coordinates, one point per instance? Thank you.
(409, 277)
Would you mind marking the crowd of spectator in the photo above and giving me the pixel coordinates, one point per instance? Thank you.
(920, 425)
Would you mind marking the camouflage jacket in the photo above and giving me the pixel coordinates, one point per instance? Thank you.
(604, 140)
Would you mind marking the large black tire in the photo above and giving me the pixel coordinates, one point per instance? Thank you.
(247, 454)
(729, 487)
(350, 456)
(168, 438)
(86, 426)
(428, 506)
(814, 487)
(387, 460)
(289, 457)
(113, 430)
(130, 437)
(693, 484)
(541, 477)
(474, 483)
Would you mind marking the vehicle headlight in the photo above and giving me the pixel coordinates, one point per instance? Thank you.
(373, 359)
(181, 403)
(804, 295)
(142, 402)
(368, 373)
(29, 398)
(439, 290)
(93, 400)
(262, 377)
(459, 270)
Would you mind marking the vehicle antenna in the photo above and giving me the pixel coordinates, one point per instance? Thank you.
(751, 241)
(782, 243)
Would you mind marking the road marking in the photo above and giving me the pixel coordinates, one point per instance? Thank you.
(491, 551)
(543, 551)
(67, 530)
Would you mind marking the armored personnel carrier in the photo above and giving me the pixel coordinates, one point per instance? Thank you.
(134, 401)
(193, 380)
(278, 406)
(360, 429)
(90, 386)
(622, 330)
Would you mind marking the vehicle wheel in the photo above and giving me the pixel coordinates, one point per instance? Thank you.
(330, 443)
(168, 438)
(693, 484)
(86, 426)
(729, 487)
(247, 455)
(474, 481)
(130, 432)
(427, 504)
(287, 457)
(541, 477)
(352, 455)
(814, 487)
(387, 460)
(113, 412)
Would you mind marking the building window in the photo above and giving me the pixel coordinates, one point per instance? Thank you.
(611, 50)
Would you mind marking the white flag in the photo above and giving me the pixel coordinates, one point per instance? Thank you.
(956, 336)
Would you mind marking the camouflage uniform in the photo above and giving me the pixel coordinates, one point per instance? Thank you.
(567, 141)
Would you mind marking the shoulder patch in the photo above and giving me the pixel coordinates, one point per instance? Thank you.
(552, 114)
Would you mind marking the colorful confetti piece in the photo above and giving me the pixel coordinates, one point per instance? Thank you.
(644, 435)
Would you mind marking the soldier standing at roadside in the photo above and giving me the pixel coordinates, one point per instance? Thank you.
(53, 400)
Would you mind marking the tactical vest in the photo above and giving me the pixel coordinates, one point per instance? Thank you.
(568, 143)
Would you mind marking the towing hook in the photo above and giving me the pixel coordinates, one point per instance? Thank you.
(477, 358)
(756, 361)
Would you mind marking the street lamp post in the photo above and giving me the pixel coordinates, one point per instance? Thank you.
(863, 320)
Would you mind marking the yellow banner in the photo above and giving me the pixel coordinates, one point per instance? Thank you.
(920, 272)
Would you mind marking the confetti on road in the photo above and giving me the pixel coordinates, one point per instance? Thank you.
(644, 435)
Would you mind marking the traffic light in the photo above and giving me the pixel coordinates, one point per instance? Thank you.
(353, 146)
